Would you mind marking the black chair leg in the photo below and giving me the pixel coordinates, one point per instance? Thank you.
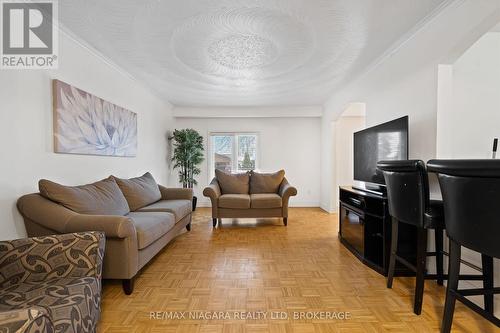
(421, 259)
(439, 255)
(394, 249)
(452, 286)
(487, 263)
(214, 222)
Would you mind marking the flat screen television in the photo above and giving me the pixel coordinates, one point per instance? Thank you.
(387, 141)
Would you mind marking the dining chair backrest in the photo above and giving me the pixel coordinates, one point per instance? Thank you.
(471, 197)
(407, 189)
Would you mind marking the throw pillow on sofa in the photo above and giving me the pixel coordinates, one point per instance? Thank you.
(266, 182)
(139, 191)
(100, 198)
(235, 183)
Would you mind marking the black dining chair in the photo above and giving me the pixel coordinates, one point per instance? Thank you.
(471, 197)
(409, 202)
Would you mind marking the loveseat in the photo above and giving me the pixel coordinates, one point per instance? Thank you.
(51, 283)
(249, 195)
(138, 216)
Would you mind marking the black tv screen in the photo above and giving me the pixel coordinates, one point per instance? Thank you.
(387, 141)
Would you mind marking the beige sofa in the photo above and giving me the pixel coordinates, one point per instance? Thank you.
(138, 217)
(249, 195)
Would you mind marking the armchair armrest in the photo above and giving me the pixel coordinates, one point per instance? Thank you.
(42, 258)
(29, 320)
(213, 192)
(178, 193)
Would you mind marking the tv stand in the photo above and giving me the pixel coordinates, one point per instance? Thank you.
(365, 230)
(375, 191)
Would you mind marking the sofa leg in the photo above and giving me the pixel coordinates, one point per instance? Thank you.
(128, 286)
(188, 227)
(285, 221)
(214, 222)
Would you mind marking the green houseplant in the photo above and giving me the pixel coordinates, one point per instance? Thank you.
(187, 156)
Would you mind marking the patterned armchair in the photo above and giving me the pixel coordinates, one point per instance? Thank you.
(51, 283)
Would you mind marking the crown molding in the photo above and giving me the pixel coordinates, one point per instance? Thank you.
(409, 35)
(400, 42)
(110, 63)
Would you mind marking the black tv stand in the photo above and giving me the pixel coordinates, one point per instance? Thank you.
(375, 190)
(365, 230)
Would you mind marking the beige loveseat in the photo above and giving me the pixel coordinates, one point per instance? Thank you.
(138, 217)
(251, 194)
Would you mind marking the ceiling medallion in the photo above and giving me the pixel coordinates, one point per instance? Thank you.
(240, 51)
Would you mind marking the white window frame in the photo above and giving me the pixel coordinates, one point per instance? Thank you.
(211, 167)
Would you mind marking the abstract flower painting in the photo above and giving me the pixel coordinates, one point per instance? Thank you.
(86, 124)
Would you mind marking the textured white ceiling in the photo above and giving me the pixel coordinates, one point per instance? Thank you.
(243, 53)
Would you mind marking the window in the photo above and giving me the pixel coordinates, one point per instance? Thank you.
(233, 152)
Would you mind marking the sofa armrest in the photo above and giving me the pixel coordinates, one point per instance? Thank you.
(177, 193)
(62, 220)
(44, 212)
(113, 226)
(213, 192)
(29, 320)
(286, 191)
(42, 258)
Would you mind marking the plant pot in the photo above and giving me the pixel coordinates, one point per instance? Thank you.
(195, 200)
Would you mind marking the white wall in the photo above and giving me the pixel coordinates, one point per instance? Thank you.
(473, 120)
(292, 144)
(469, 113)
(327, 162)
(26, 129)
(345, 127)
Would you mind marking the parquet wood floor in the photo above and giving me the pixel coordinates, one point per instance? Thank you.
(260, 265)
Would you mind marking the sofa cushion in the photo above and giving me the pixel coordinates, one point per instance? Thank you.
(232, 183)
(139, 191)
(266, 182)
(265, 200)
(150, 226)
(180, 208)
(73, 304)
(236, 201)
(100, 198)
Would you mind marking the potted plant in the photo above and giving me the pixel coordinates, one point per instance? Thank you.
(187, 156)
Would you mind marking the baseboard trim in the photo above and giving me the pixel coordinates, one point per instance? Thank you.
(327, 209)
(300, 204)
